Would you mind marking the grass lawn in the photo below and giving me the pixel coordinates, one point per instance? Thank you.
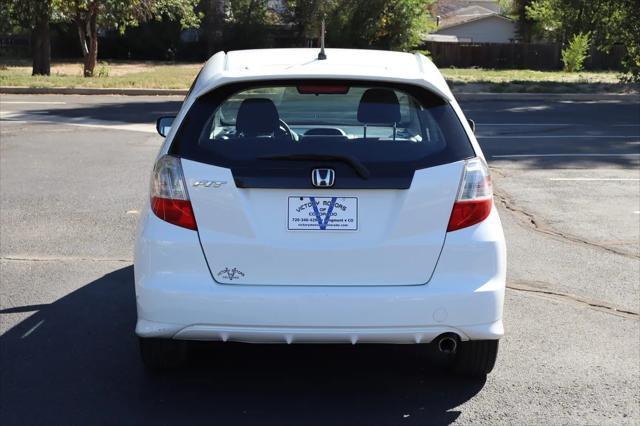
(470, 75)
(523, 81)
(152, 75)
(163, 75)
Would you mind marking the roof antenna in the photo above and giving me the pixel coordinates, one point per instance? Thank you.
(322, 56)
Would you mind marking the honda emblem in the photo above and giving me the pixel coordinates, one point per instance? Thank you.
(323, 178)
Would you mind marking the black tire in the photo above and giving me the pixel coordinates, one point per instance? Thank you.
(475, 358)
(163, 354)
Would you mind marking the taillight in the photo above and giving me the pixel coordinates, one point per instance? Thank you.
(475, 196)
(169, 196)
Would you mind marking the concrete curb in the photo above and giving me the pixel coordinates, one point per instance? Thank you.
(90, 91)
(463, 96)
(471, 96)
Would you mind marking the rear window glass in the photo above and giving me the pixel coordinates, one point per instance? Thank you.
(241, 124)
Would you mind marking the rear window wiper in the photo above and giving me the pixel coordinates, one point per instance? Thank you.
(356, 164)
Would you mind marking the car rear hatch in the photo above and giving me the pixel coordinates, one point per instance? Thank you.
(345, 193)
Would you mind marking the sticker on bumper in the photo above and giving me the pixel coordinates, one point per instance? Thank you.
(323, 214)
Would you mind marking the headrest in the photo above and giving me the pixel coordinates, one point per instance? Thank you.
(257, 116)
(379, 106)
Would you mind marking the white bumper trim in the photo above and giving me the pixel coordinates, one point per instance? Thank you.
(289, 335)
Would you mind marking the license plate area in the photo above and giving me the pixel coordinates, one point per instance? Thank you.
(309, 213)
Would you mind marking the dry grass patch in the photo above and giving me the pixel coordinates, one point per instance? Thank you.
(153, 75)
(165, 75)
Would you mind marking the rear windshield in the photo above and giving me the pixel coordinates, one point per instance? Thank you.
(380, 125)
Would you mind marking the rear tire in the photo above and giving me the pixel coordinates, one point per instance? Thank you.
(163, 354)
(475, 358)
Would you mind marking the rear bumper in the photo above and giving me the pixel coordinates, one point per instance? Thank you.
(296, 315)
(177, 298)
(289, 335)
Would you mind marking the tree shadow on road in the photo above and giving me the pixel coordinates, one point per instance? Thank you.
(76, 361)
(558, 133)
(607, 131)
(133, 112)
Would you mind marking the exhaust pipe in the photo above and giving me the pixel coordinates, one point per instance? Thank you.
(447, 343)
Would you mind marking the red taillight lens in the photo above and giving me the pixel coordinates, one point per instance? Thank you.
(467, 213)
(475, 196)
(177, 212)
(169, 197)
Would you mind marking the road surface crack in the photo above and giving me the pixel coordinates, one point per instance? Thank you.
(532, 222)
(542, 288)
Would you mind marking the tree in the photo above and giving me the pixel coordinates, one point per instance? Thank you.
(90, 16)
(33, 15)
(517, 10)
(402, 24)
(559, 20)
(609, 22)
(306, 15)
(7, 22)
(620, 23)
(247, 23)
(214, 21)
(383, 24)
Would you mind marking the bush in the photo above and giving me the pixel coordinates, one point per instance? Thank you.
(104, 69)
(574, 55)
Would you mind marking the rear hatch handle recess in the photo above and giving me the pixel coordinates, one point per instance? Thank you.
(356, 164)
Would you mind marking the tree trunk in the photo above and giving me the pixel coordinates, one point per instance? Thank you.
(88, 35)
(214, 25)
(41, 46)
(92, 56)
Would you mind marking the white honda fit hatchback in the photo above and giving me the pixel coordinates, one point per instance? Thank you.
(306, 200)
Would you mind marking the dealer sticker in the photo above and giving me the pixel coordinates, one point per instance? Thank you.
(323, 213)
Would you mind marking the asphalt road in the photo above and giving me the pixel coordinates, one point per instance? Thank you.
(74, 172)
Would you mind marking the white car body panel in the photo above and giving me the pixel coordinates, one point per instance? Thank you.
(247, 229)
(178, 298)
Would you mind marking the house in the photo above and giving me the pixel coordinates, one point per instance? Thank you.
(473, 24)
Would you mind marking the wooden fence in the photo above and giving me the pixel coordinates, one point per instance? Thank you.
(539, 56)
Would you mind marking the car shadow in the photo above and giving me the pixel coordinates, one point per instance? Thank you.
(76, 361)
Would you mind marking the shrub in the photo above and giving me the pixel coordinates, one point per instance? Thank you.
(104, 70)
(573, 56)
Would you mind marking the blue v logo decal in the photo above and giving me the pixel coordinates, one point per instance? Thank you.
(322, 222)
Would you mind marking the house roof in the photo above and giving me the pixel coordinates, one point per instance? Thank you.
(466, 15)
(445, 7)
